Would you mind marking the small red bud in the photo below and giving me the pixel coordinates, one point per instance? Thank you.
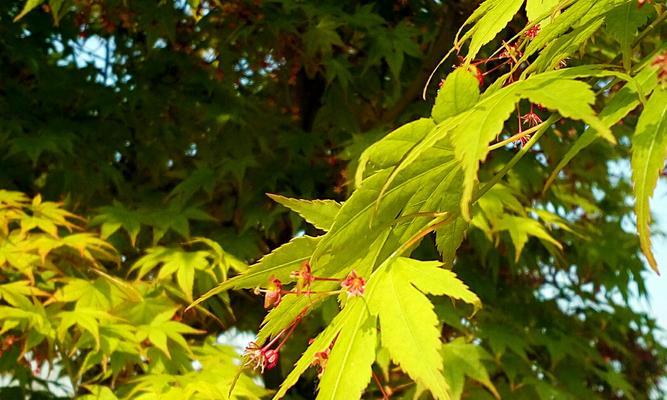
(273, 293)
(271, 358)
(478, 74)
(320, 361)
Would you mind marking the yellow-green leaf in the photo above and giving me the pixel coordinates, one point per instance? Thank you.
(348, 369)
(649, 149)
(320, 213)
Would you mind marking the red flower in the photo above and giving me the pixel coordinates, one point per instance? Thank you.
(273, 293)
(532, 31)
(260, 358)
(353, 284)
(531, 119)
(304, 277)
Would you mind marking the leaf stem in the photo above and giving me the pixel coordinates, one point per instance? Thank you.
(515, 137)
(497, 177)
(379, 385)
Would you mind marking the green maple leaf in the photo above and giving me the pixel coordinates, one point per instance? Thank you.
(490, 18)
(319, 213)
(463, 359)
(649, 150)
(117, 216)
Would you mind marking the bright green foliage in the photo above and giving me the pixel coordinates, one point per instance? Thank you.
(431, 279)
(649, 150)
(387, 152)
(624, 101)
(321, 343)
(560, 49)
(279, 264)
(175, 217)
(519, 229)
(189, 112)
(579, 13)
(472, 130)
(408, 324)
(60, 300)
(211, 383)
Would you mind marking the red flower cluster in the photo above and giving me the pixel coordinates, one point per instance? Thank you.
(266, 357)
(321, 358)
(532, 31)
(531, 119)
(523, 140)
(261, 358)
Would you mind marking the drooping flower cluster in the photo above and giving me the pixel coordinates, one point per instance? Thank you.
(260, 358)
(265, 357)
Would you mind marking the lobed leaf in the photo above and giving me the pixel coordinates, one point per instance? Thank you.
(463, 359)
(409, 327)
(624, 101)
(622, 23)
(348, 369)
(319, 213)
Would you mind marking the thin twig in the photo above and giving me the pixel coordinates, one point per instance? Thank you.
(385, 396)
